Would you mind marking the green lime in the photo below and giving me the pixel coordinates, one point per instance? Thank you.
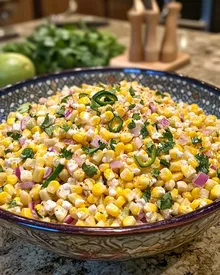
(15, 67)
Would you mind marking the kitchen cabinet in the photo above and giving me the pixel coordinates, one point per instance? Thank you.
(16, 11)
(94, 7)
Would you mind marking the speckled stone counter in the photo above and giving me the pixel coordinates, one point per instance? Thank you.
(202, 257)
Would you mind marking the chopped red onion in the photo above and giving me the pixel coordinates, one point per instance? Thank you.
(18, 172)
(213, 167)
(51, 150)
(136, 131)
(42, 100)
(22, 141)
(206, 132)
(69, 141)
(182, 117)
(27, 185)
(78, 160)
(96, 140)
(138, 142)
(47, 173)
(201, 179)
(69, 219)
(164, 122)
(24, 122)
(68, 113)
(153, 107)
(116, 164)
(183, 140)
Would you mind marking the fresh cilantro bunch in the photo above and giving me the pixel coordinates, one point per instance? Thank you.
(54, 48)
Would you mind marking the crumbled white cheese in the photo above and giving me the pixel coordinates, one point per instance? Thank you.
(49, 205)
(66, 205)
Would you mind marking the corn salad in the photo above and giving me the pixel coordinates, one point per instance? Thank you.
(105, 155)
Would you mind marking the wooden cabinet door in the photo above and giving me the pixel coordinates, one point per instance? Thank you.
(93, 7)
(49, 7)
(20, 11)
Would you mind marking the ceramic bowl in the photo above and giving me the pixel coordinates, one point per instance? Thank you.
(121, 243)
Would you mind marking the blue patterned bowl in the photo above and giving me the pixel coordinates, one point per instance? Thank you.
(121, 243)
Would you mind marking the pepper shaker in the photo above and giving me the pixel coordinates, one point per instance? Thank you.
(136, 17)
(151, 16)
(169, 50)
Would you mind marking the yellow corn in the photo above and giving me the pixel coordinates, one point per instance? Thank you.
(12, 179)
(26, 212)
(4, 198)
(129, 220)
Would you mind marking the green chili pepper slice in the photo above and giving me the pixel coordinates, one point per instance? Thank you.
(54, 175)
(105, 98)
(115, 125)
(150, 161)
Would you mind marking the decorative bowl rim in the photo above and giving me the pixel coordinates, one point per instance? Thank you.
(102, 231)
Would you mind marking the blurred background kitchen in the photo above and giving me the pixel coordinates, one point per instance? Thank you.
(199, 14)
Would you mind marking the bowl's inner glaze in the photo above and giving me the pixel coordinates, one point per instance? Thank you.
(180, 88)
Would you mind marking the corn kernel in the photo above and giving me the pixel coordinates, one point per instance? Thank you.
(196, 192)
(166, 174)
(53, 186)
(12, 179)
(98, 189)
(215, 192)
(26, 212)
(129, 220)
(80, 137)
(4, 198)
(127, 175)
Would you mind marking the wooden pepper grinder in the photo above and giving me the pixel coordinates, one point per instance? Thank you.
(136, 18)
(151, 16)
(169, 50)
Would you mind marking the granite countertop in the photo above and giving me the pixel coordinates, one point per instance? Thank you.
(202, 257)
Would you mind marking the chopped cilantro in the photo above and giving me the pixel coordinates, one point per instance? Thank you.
(196, 140)
(1, 189)
(66, 128)
(131, 106)
(158, 93)
(147, 194)
(144, 131)
(66, 153)
(54, 175)
(50, 130)
(12, 204)
(89, 170)
(112, 144)
(91, 151)
(1, 169)
(158, 102)
(168, 135)
(165, 163)
(14, 136)
(132, 91)
(61, 112)
(38, 214)
(131, 125)
(7, 151)
(136, 116)
(165, 147)
(24, 108)
(203, 162)
(142, 102)
(217, 133)
(65, 99)
(46, 122)
(218, 173)
(155, 173)
(156, 126)
(27, 153)
(165, 202)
